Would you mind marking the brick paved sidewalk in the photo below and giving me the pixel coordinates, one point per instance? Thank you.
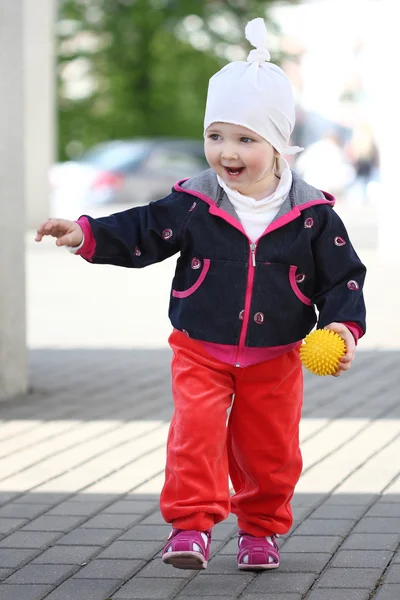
(82, 464)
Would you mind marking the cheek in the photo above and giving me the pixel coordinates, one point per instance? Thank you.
(264, 163)
(258, 164)
(210, 154)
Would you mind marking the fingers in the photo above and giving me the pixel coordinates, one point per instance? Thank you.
(54, 227)
(346, 361)
(49, 227)
(41, 231)
(67, 240)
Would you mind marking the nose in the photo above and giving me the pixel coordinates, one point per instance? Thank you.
(229, 151)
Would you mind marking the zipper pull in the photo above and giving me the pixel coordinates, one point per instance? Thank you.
(253, 254)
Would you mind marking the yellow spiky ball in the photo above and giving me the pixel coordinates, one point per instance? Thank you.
(321, 351)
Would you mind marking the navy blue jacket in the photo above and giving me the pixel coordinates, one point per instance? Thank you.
(227, 290)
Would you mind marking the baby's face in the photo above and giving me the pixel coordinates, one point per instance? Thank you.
(243, 159)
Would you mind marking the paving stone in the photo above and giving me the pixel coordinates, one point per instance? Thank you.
(29, 539)
(89, 537)
(182, 596)
(6, 497)
(102, 499)
(48, 523)
(145, 588)
(111, 521)
(300, 513)
(325, 527)
(352, 499)
(71, 555)
(314, 543)
(276, 582)
(327, 511)
(41, 498)
(343, 594)
(377, 525)
(230, 548)
(110, 569)
(224, 531)
(207, 585)
(224, 564)
(350, 578)
(371, 541)
(156, 568)
(7, 526)
(310, 500)
(153, 519)
(306, 562)
(392, 575)
(388, 499)
(262, 596)
(41, 574)
(381, 509)
(131, 507)
(387, 592)
(147, 533)
(85, 589)
(362, 558)
(13, 558)
(24, 592)
(140, 550)
(69, 509)
(4, 573)
(17, 510)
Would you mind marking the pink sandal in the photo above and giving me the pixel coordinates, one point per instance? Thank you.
(187, 549)
(257, 553)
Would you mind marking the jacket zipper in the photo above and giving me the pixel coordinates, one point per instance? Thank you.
(247, 302)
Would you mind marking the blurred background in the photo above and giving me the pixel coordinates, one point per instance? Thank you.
(131, 73)
(103, 105)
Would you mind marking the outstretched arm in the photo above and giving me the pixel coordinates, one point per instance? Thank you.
(133, 238)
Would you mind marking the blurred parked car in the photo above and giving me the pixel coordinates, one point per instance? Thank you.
(127, 172)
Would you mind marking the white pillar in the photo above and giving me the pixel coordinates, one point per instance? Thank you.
(39, 105)
(13, 371)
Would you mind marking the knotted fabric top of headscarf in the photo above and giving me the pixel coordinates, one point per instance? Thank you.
(255, 94)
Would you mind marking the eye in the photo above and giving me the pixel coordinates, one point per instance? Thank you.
(214, 136)
(246, 140)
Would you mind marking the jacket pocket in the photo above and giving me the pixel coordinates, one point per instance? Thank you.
(190, 290)
(294, 279)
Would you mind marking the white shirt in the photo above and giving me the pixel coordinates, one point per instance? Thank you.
(256, 215)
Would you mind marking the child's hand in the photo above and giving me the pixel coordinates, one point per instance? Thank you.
(346, 335)
(68, 233)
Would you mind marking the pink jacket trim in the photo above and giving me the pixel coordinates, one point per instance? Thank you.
(214, 209)
(295, 287)
(355, 330)
(89, 245)
(195, 286)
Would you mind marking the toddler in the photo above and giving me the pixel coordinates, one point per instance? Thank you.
(259, 251)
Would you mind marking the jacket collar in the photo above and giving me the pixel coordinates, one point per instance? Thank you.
(206, 187)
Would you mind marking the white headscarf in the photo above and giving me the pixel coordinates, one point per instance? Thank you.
(255, 94)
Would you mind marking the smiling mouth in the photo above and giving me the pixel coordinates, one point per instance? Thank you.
(233, 172)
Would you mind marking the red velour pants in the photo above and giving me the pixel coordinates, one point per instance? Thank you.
(258, 449)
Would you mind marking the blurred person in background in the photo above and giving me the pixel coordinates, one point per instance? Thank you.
(324, 165)
(259, 249)
(363, 153)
